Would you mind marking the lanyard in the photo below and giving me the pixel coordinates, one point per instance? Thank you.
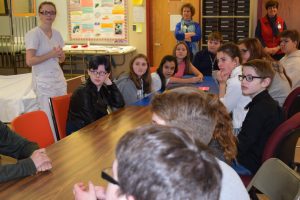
(212, 61)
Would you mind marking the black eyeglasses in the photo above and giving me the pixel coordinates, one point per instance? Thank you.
(105, 174)
(249, 78)
(46, 13)
(101, 73)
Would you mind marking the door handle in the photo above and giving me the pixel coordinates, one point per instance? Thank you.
(157, 44)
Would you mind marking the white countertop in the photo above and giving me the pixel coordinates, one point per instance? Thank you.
(102, 49)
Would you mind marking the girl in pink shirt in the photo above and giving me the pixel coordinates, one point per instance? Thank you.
(181, 52)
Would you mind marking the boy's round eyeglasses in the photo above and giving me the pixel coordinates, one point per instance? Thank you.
(47, 13)
(249, 78)
(96, 73)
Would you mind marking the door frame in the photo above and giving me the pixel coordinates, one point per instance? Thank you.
(149, 33)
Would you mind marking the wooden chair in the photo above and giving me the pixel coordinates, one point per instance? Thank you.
(59, 108)
(35, 127)
(276, 180)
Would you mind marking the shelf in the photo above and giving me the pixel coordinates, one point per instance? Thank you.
(230, 17)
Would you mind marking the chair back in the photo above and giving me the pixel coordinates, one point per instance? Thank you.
(292, 103)
(276, 180)
(286, 151)
(279, 135)
(35, 127)
(59, 108)
(280, 143)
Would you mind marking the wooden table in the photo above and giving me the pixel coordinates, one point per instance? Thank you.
(79, 157)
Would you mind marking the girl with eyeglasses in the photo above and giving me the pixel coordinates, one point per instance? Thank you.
(44, 53)
(230, 92)
(280, 87)
(136, 84)
(95, 98)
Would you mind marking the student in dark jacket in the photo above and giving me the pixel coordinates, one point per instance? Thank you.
(92, 100)
(263, 117)
(205, 60)
(31, 159)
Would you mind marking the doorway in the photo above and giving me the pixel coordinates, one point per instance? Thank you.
(161, 39)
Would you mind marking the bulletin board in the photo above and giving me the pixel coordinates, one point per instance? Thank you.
(98, 21)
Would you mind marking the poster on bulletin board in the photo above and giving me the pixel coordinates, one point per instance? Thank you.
(98, 21)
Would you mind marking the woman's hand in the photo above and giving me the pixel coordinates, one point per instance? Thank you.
(195, 79)
(200, 76)
(56, 52)
(222, 77)
(107, 81)
(188, 36)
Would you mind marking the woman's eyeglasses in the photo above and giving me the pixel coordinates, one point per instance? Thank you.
(249, 78)
(96, 73)
(48, 13)
(106, 174)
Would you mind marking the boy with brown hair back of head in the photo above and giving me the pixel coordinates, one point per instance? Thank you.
(263, 117)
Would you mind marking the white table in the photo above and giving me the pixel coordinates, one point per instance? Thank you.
(82, 51)
(16, 96)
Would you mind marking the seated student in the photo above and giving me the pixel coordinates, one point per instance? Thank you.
(167, 68)
(230, 92)
(169, 165)
(280, 87)
(289, 43)
(137, 84)
(182, 54)
(198, 113)
(263, 117)
(91, 100)
(205, 60)
(31, 158)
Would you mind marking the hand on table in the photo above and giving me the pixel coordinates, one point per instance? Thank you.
(195, 79)
(41, 161)
(81, 192)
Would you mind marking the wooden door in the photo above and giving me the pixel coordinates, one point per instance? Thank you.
(162, 39)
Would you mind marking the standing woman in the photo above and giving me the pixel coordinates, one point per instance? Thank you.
(268, 29)
(44, 53)
(137, 84)
(187, 30)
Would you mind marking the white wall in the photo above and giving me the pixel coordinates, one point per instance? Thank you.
(5, 28)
